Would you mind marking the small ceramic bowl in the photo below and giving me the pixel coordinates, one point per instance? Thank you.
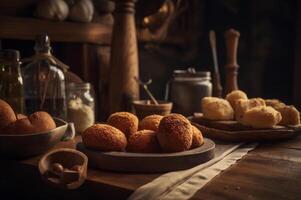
(72, 171)
(145, 108)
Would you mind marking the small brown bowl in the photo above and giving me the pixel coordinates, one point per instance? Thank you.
(145, 108)
(68, 178)
(27, 145)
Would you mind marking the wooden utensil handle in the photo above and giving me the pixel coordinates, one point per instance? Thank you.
(231, 37)
(217, 87)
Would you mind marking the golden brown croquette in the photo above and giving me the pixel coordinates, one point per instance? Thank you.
(104, 138)
(150, 122)
(125, 122)
(197, 137)
(143, 141)
(175, 133)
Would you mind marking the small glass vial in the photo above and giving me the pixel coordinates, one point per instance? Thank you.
(11, 83)
(80, 105)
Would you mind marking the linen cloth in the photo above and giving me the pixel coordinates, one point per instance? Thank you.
(184, 184)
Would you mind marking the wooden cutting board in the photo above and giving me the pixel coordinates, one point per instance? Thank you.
(149, 162)
(232, 131)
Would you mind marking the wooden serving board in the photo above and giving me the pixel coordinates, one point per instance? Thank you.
(149, 162)
(232, 131)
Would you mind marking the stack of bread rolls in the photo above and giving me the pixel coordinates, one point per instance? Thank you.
(254, 112)
(11, 123)
(153, 134)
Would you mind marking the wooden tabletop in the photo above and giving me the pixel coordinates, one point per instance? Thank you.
(271, 171)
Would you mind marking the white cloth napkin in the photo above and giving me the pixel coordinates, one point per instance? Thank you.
(184, 184)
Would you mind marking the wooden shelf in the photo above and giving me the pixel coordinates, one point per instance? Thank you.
(28, 28)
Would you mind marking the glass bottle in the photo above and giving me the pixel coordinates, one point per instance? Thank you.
(11, 83)
(80, 105)
(44, 81)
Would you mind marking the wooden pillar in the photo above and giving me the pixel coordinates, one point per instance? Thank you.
(123, 88)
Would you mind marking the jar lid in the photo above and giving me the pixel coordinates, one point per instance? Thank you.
(9, 54)
(191, 73)
(79, 86)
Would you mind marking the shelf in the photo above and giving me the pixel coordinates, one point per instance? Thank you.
(28, 28)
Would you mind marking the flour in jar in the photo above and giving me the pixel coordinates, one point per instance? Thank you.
(80, 114)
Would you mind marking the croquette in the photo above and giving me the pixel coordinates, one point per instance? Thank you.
(150, 122)
(124, 121)
(243, 105)
(175, 133)
(290, 115)
(197, 137)
(214, 108)
(233, 96)
(143, 141)
(261, 117)
(104, 138)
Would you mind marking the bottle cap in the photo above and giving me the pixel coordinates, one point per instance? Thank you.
(42, 42)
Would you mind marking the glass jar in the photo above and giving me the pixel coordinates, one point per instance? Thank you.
(80, 105)
(44, 81)
(187, 88)
(11, 83)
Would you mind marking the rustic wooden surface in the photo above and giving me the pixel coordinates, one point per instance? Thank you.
(271, 171)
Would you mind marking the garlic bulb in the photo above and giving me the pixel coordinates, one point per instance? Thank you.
(52, 9)
(82, 11)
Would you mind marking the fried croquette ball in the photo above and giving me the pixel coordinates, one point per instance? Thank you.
(150, 122)
(143, 141)
(125, 122)
(104, 138)
(243, 105)
(261, 117)
(290, 115)
(233, 96)
(175, 133)
(275, 103)
(216, 109)
(197, 137)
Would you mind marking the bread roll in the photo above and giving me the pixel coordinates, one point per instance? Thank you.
(35, 123)
(125, 122)
(243, 105)
(234, 96)
(104, 138)
(216, 109)
(290, 115)
(261, 117)
(275, 103)
(175, 133)
(7, 115)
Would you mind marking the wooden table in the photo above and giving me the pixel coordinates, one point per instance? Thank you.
(271, 171)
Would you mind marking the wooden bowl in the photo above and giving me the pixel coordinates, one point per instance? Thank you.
(68, 179)
(27, 145)
(144, 108)
(149, 162)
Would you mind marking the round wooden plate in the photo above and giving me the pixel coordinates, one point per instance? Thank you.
(149, 162)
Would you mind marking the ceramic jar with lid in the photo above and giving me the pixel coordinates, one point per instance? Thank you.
(187, 88)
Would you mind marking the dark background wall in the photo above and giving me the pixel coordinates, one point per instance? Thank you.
(265, 53)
